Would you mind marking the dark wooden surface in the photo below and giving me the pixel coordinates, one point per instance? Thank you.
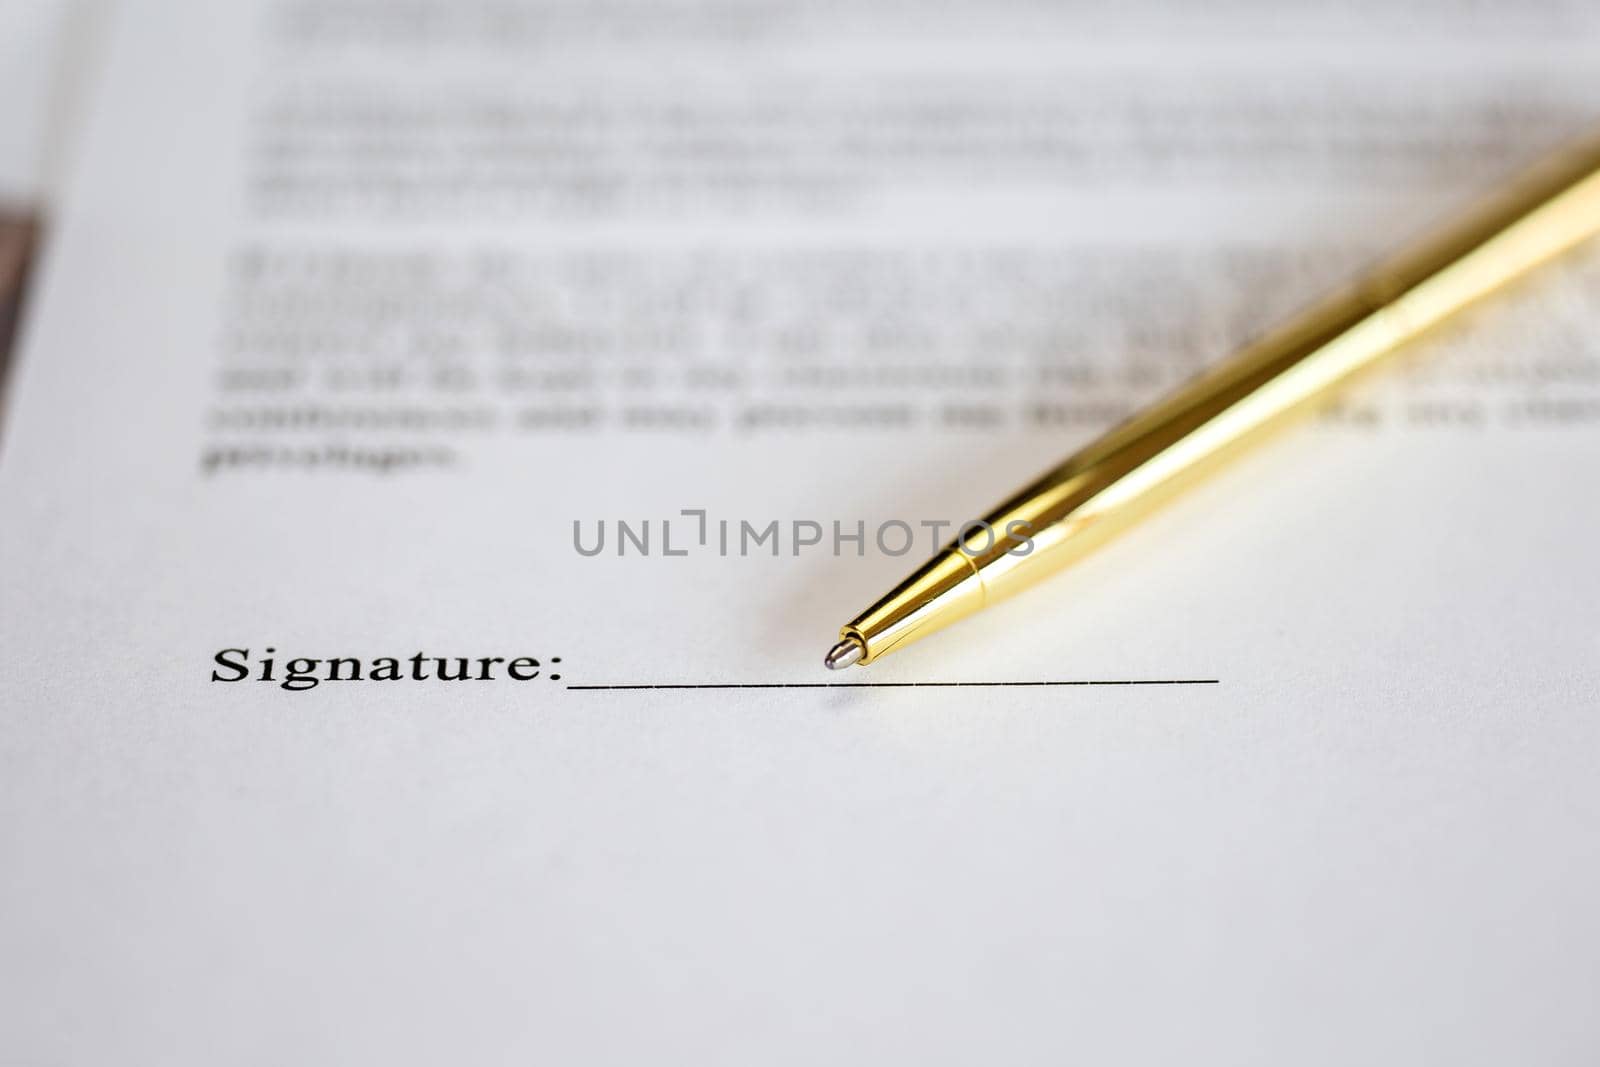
(18, 240)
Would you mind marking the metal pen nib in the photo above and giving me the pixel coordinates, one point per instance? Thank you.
(843, 654)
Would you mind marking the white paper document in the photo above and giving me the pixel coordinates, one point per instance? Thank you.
(447, 435)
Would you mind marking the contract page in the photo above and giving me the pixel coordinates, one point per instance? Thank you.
(447, 435)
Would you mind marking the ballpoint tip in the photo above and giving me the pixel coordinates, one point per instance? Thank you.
(844, 654)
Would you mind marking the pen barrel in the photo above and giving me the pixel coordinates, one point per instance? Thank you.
(1122, 476)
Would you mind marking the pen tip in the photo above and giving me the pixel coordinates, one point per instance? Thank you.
(843, 654)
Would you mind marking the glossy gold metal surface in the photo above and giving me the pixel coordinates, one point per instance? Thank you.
(1120, 477)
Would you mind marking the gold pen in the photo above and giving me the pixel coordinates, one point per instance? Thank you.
(1103, 488)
